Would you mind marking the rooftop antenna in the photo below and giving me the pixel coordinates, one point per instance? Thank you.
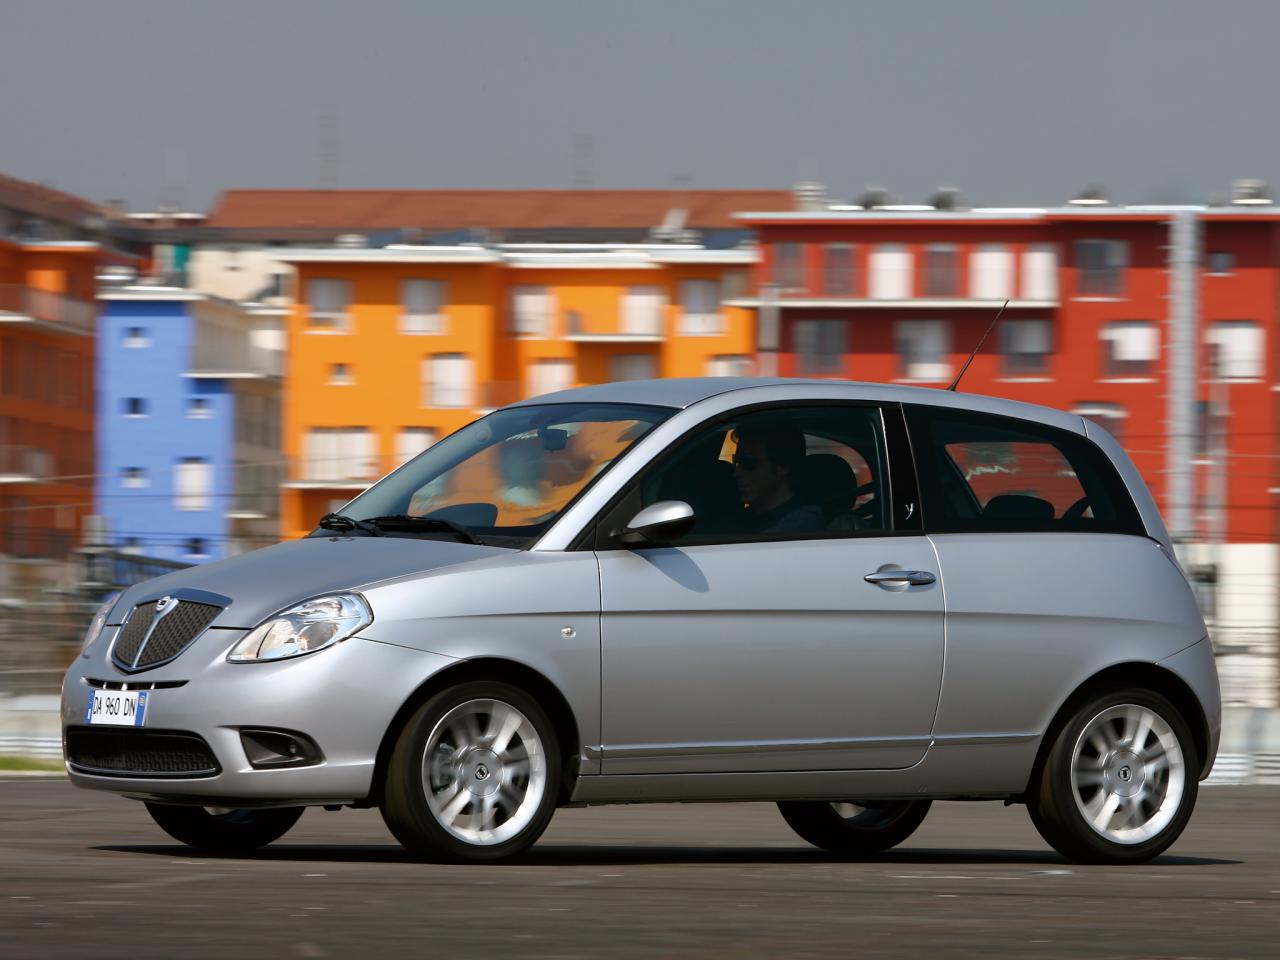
(956, 382)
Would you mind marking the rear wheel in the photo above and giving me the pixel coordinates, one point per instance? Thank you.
(855, 828)
(1119, 783)
(474, 775)
(220, 830)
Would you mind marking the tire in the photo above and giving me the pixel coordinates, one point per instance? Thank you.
(1104, 796)
(858, 828)
(229, 831)
(474, 775)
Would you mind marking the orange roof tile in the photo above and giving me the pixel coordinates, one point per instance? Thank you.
(359, 210)
(46, 202)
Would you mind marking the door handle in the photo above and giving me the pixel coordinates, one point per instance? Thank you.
(913, 577)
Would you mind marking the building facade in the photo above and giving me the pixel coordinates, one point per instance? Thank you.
(393, 348)
(51, 246)
(1160, 323)
(187, 423)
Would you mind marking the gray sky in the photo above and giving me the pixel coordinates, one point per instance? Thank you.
(1013, 102)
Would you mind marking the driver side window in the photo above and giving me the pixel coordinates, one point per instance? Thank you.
(777, 474)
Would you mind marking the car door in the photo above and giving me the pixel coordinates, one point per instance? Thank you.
(1048, 568)
(806, 639)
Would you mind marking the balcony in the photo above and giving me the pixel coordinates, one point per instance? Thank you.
(44, 308)
(21, 464)
(638, 322)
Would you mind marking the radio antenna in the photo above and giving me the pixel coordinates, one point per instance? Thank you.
(956, 382)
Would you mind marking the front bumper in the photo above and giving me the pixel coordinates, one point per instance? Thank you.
(344, 698)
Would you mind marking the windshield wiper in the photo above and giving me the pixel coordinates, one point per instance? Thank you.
(341, 522)
(424, 524)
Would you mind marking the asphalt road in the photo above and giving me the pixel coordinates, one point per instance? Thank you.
(89, 875)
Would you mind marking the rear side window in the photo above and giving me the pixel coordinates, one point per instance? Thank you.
(986, 473)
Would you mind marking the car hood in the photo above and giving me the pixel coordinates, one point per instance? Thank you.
(264, 581)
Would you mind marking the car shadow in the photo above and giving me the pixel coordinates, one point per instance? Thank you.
(583, 855)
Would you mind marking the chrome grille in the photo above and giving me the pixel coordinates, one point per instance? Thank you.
(146, 641)
(132, 634)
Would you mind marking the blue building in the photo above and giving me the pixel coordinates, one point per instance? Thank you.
(188, 423)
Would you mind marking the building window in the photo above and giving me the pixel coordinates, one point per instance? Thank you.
(411, 441)
(632, 366)
(890, 272)
(328, 301)
(1110, 415)
(136, 337)
(447, 380)
(788, 267)
(729, 365)
(700, 308)
(1130, 348)
(197, 548)
(941, 271)
(199, 408)
(924, 347)
(340, 375)
(1101, 265)
(135, 407)
(192, 484)
(548, 376)
(423, 303)
(991, 272)
(642, 311)
(1025, 346)
(837, 269)
(1236, 350)
(733, 284)
(531, 310)
(134, 478)
(1221, 262)
(339, 454)
(1040, 272)
(820, 346)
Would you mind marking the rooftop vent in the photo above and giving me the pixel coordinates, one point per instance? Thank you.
(1091, 196)
(810, 195)
(873, 197)
(946, 198)
(1250, 192)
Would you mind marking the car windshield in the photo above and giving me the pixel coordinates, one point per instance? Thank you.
(505, 478)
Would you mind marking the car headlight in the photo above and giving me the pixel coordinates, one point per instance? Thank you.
(95, 626)
(310, 626)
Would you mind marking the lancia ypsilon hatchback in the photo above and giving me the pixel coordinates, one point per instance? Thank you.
(849, 599)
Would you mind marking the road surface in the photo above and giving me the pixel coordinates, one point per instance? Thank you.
(89, 875)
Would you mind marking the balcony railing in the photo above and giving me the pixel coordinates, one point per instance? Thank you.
(47, 307)
(18, 463)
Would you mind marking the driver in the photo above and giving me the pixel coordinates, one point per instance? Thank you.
(764, 462)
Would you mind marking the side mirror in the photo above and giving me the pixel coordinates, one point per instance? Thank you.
(658, 523)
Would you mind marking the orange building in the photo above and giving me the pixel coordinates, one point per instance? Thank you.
(393, 348)
(47, 289)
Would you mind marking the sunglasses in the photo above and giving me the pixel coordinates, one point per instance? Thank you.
(746, 461)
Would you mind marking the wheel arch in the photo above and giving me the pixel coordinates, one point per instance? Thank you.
(1150, 675)
(498, 669)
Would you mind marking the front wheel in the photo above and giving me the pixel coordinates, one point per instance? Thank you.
(1119, 783)
(856, 828)
(474, 775)
(216, 830)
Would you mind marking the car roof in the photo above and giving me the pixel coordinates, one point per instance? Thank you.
(682, 392)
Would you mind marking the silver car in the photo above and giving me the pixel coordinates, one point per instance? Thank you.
(851, 599)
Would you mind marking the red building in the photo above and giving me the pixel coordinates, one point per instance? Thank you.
(1159, 322)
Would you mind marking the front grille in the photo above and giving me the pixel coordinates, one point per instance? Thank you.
(145, 642)
(139, 753)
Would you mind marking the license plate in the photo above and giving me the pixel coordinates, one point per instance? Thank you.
(116, 708)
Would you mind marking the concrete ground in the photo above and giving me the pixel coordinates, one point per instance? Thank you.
(89, 875)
